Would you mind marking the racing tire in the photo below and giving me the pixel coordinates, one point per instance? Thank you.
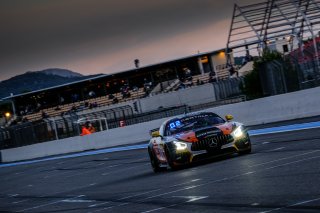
(247, 151)
(154, 162)
(169, 159)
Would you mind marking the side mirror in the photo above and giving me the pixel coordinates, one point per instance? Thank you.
(229, 117)
(155, 134)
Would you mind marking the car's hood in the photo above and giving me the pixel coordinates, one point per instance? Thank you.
(196, 134)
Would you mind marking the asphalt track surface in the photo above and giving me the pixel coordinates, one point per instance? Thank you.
(281, 175)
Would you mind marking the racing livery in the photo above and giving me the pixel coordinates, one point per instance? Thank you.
(180, 139)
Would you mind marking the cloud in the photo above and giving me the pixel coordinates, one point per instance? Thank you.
(38, 34)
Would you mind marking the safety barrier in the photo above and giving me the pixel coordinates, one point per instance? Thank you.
(294, 105)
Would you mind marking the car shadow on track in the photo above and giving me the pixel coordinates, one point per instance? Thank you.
(206, 159)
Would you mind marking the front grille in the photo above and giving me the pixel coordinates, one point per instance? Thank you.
(211, 142)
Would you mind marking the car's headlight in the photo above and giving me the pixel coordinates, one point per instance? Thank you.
(238, 132)
(180, 145)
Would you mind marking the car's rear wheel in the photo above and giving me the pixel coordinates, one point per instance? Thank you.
(154, 161)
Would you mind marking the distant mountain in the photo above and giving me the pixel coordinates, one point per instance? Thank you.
(62, 73)
(32, 81)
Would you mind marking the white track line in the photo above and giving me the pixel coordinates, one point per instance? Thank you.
(260, 164)
(210, 182)
(296, 204)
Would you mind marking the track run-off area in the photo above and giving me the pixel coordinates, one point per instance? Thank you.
(280, 175)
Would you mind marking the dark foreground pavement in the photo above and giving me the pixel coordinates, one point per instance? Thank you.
(281, 175)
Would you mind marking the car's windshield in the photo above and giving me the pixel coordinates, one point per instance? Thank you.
(188, 123)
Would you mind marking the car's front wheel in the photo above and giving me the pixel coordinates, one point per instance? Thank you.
(248, 150)
(154, 161)
(169, 158)
(245, 152)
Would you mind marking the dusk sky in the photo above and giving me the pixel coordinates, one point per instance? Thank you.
(105, 36)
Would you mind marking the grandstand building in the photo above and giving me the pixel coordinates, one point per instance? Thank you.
(110, 89)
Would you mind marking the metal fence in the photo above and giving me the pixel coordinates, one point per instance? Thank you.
(306, 61)
(70, 125)
(226, 89)
(272, 78)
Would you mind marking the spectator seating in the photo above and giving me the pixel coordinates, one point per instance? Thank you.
(105, 101)
(80, 105)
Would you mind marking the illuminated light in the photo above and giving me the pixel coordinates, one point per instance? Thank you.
(237, 133)
(7, 114)
(204, 59)
(180, 146)
(222, 54)
(175, 124)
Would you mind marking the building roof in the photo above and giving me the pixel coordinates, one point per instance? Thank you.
(111, 74)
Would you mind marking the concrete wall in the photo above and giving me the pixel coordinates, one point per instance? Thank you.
(288, 106)
(300, 104)
(189, 96)
(114, 137)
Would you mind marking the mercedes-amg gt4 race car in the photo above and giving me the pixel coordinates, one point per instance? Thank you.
(180, 139)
